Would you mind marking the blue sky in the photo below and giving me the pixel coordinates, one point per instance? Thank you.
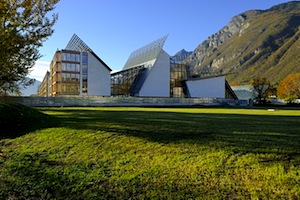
(115, 28)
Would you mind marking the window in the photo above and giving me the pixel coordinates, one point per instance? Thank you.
(84, 88)
(84, 70)
(68, 77)
(64, 66)
(84, 78)
(63, 76)
(64, 56)
(70, 57)
(68, 67)
(70, 88)
(77, 58)
(84, 58)
(71, 67)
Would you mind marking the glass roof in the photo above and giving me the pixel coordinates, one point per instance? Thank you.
(76, 44)
(146, 53)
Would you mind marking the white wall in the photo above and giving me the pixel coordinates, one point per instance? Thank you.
(207, 88)
(98, 77)
(157, 83)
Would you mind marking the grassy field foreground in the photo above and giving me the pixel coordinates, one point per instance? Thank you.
(154, 153)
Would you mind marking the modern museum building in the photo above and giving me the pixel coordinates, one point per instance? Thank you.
(149, 72)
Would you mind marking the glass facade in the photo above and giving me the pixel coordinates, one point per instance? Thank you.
(84, 72)
(124, 81)
(84, 58)
(70, 89)
(70, 67)
(178, 76)
(69, 77)
(70, 57)
(65, 73)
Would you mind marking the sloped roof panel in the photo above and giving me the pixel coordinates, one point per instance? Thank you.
(76, 44)
(146, 53)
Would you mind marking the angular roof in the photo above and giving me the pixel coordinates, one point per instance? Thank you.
(76, 44)
(146, 53)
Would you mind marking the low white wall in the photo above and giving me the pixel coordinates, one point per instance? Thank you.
(207, 88)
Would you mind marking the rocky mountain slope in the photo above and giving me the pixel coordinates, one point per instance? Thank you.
(255, 43)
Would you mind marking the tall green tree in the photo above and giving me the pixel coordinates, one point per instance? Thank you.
(24, 26)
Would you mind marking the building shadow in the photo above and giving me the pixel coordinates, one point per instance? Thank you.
(236, 132)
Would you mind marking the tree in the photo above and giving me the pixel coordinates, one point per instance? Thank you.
(289, 87)
(261, 86)
(24, 26)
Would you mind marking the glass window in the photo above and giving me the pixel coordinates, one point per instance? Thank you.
(77, 58)
(75, 77)
(84, 78)
(64, 56)
(84, 70)
(63, 76)
(68, 56)
(70, 88)
(84, 58)
(84, 88)
(72, 57)
(68, 77)
(64, 67)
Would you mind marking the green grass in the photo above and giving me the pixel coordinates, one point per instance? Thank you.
(155, 153)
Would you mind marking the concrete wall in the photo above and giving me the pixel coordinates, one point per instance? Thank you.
(98, 77)
(157, 83)
(114, 101)
(207, 88)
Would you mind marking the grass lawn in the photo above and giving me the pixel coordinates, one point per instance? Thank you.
(153, 153)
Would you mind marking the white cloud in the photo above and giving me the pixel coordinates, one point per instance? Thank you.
(39, 70)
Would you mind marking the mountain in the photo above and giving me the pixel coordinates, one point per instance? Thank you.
(256, 43)
(181, 55)
(31, 90)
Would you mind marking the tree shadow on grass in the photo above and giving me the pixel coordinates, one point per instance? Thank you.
(238, 132)
(17, 120)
